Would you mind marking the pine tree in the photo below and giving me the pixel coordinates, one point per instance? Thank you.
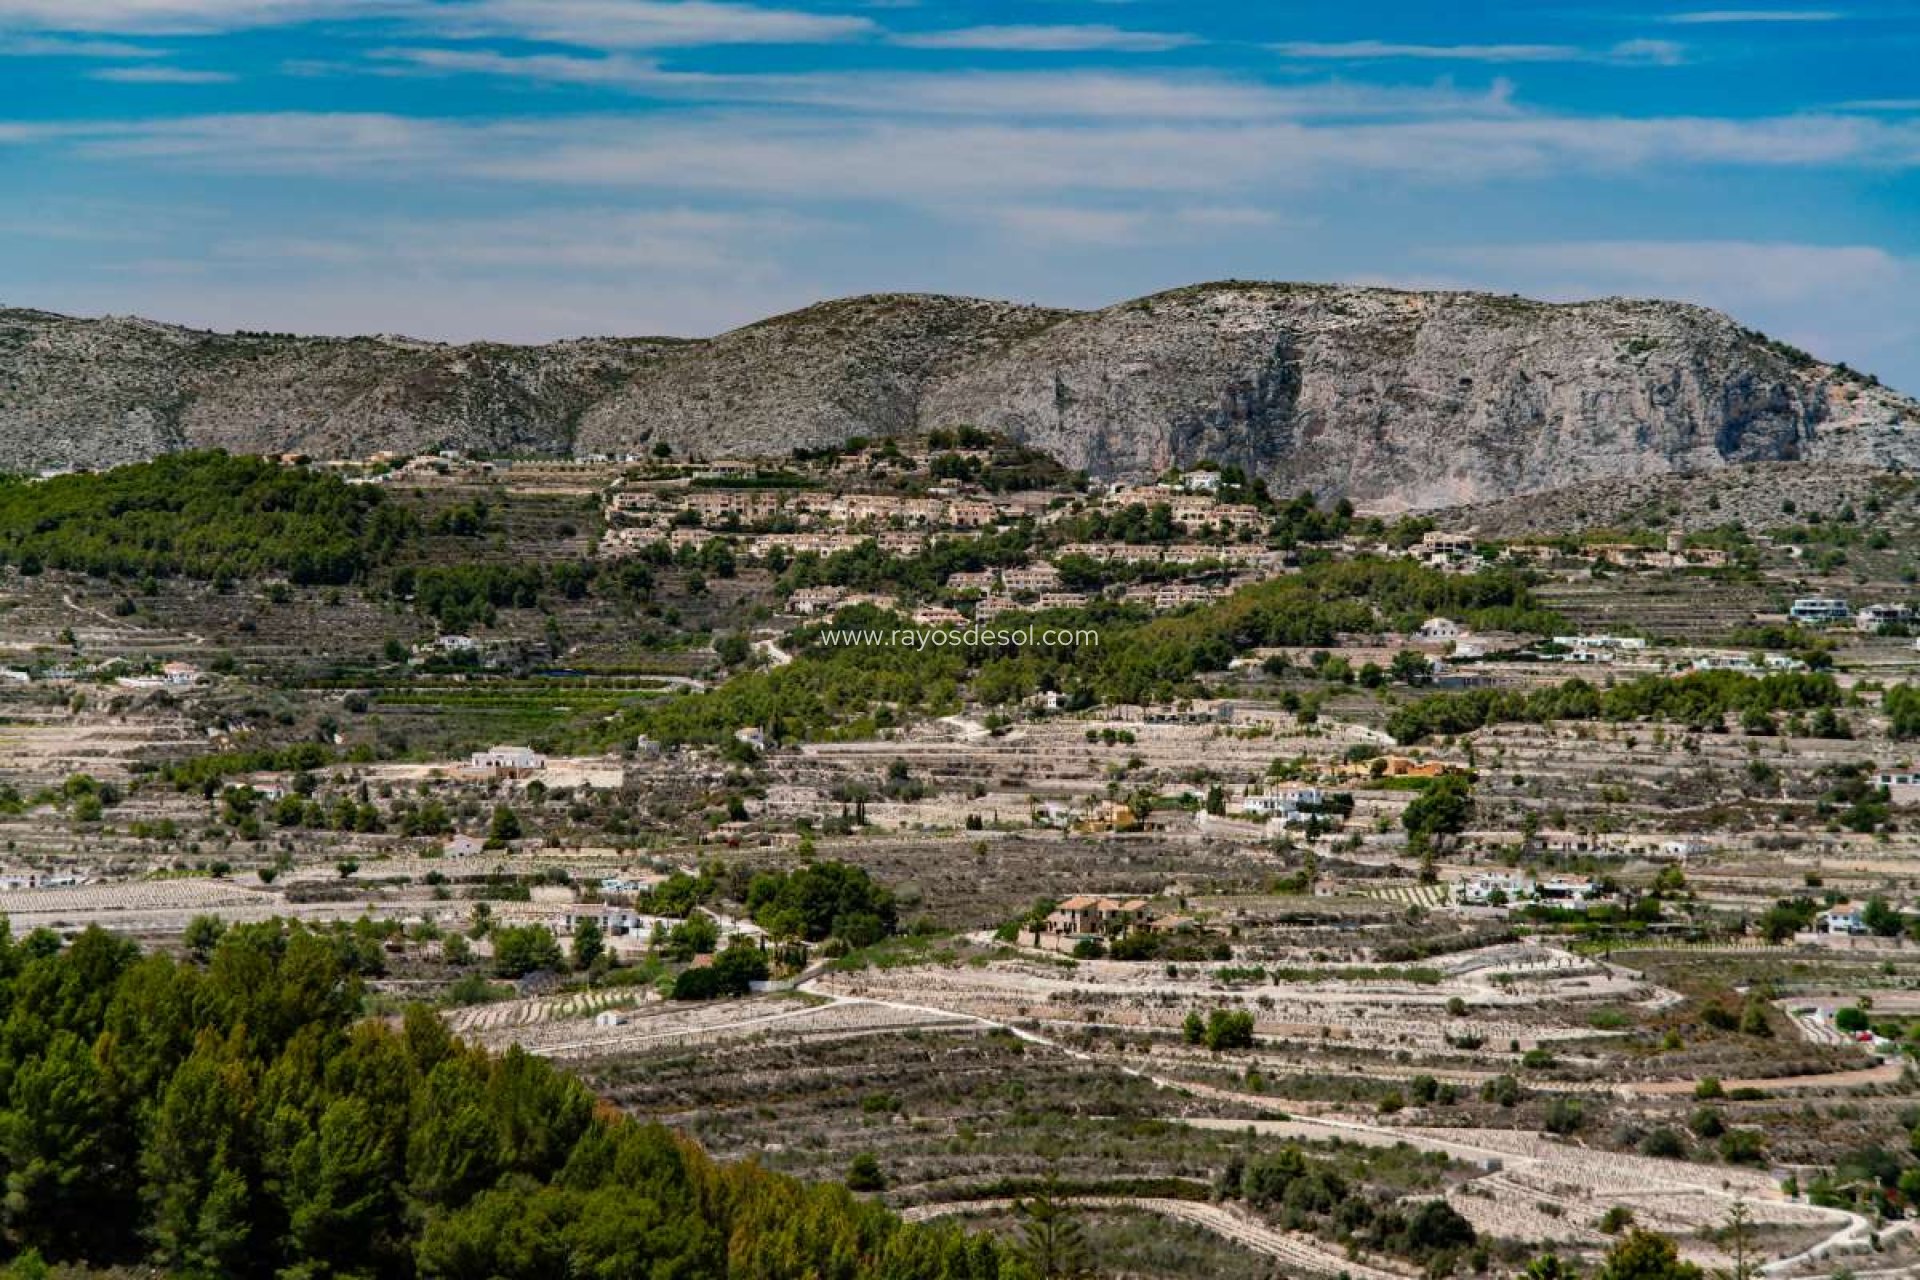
(1051, 1240)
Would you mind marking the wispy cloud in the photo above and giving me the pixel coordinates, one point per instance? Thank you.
(597, 24)
(1373, 50)
(1656, 52)
(1729, 272)
(1083, 226)
(67, 47)
(896, 158)
(643, 24)
(1091, 38)
(1089, 94)
(181, 17)
(677, 240)
(1712, 17)
(159, 75)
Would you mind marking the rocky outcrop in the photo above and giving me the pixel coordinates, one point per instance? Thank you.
(91, 393)
(1396, 399)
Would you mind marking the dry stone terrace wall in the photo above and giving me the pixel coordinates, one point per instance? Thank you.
(565, 1026)
(158, 908)
(1375, 1016)
(42, 744)
(1649, 773)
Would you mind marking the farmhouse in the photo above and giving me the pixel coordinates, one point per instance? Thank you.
(1843, 921)
(1085, 916)
(1285, 801)
(508, 762)
(1481, 890)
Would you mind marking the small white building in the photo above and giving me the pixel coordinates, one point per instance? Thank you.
(1845, 922)
(508, 760)
(1571, 891)
(1282, 800)
(1903, 785)
(812, 600)
(1441, 629)
(1820, 610)
(1876, 616)
(1479, 890)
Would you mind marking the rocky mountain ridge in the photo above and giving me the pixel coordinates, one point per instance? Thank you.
(1396, 399)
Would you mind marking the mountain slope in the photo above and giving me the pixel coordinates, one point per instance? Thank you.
(97, 392)
(1398, 399)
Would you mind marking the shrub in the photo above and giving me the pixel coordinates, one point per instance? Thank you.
(864, 1174)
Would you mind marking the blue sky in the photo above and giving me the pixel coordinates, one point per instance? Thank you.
(527, 169)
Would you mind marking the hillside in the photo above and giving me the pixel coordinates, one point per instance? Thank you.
(1395, 399)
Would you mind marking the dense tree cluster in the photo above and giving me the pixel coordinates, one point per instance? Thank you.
(868, 568)
(201, 515)
(822, 900)
(1304, 1194)
(1701, 700)
(237, 1118)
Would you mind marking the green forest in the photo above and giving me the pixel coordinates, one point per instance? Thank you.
(200, 515)
(238, 1117)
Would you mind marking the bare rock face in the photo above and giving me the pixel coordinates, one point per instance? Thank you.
(92, 393)
(1396, 399)
(860, 366)
(1419, 399)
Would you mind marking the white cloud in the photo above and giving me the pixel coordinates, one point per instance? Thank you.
(670, 241)
(65, 47)
(1713, 17)
(1087, 227)
(159, 75)
(599, 24)
(643, 24)
(615, 70)
(1656, 52)
(1091, 38)
(901, 158)
(1070, 94)
(1747, 270)
(179, 17)
(1372, 50)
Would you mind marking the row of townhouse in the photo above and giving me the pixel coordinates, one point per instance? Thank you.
(1028, 578)
(815, 601)
(1248, 555)
(894, 541)
(1622, 555)
(1172, 595)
